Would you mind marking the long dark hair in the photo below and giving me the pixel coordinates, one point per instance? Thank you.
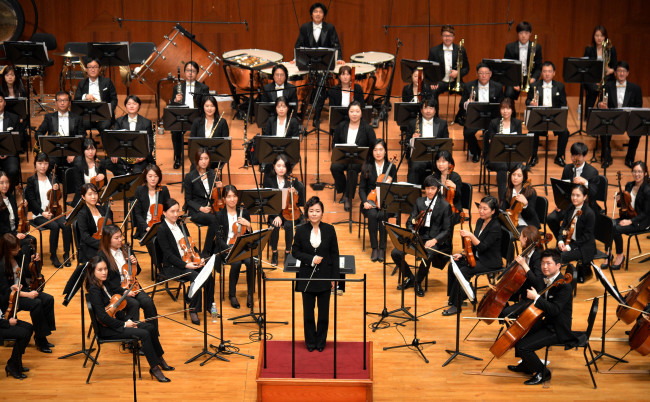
(644, 168)
(526, 192)
(602, 30)
(88, 143)
(105, 246)
(91, 279)
(18, 86)
(156, 169)
(284, 158)
(369, 165)
(212, 100)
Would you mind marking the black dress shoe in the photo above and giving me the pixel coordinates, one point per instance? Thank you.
(559, 160)
(347, 204)
(520, 368)
(450, 311)
(533, 161)
(177, 164)
(164, 366)
(310, 348)
(476, 158)
(67, 262)
(380, 254)
(629, 163)
(321, 348)
(408, 283)
(24, 369)
(158, 374)
(618, 266)
(234, 302)
(55, 261)
(15, 373)
(418, 290)
(250, 301)
(342, 200)
(43, 349)
(194, 318)
(274, 258)
(537, 379)
(373, 255)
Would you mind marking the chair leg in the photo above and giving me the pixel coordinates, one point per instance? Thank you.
(638, 245)
(88, 354)
(584, 352)
(99, 347)
(185, 302)
(627, 250)
(546, 359)
(40, 237)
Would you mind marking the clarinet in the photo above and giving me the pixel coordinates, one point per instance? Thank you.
(501, 126)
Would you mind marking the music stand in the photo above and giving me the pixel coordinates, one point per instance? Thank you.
(561, 193)
(505, 71)
(266, 148)
(349, 155)
(122, 187)
(78, 275)
(581, 71)
(510, 149)
(96, 111)
(603, 122)
(339, 113)
(126, 144)
(150, 235)
(10, 146)
(315, 59)
(61, 146)
(109, 53)
(479, 114)
(638, 125)
(426, 149)
(263, 110)
(72, 216)
(17, 106)
(179, 118)
(431, 71)
(405, 112)
(219, 150)
(546, 119)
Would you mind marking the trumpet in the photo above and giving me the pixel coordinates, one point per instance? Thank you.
(526, 87)
(459, 65)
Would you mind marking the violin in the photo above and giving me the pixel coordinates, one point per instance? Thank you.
(568, 234)
(117, 303)
(383, 178)
(292, 211)
(524, 323)
(217, 201)
(637, 298)
(156, 210)
(35, 270)
(14, 297)
(54, 196)
(515, 206)
(98, 183)
(237, 228)
(467, 245)
(190, 255)
(640, 335)
(450, 193)
(513, 278)
(130, 281)
(23, 224)
(419, 219)
(624, 203)
(101, 222)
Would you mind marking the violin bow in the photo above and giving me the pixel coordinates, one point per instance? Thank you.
(163, 315)
(127, 215)
(40, 288)
(41, 225)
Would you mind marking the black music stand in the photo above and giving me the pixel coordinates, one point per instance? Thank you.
(431, 71)
(122, 187)
(10, 146)
(78, 273)
(179, 118)
(509, 149)
(60, 147)
(606, 122)
(546, 119)
(109, 53)
(505, 71)
(72, 216)
(95, 111)
(638, 125)
(126, 144)
(219, 150)
(579, 70)
(405, 112)
(315, 59)
(150, 235)
(263, 110)
(479, 114)
(349, 155)
(561, 193)
(340, 113)
(266, 148)
(426, 149)
(17, 106)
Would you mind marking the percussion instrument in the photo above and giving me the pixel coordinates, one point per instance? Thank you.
(29, 71)
(383, 63)
(364, 75)
(296, 77)
(241, 63)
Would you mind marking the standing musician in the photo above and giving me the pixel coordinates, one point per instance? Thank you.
(578, 172)
(210, 125)
(280, 87)
(39, 304)
(449, 180)
(191, 94)
(13, 328)
(576, 240)
(36, 191)
(119, 326)
(279, 124)
(230, 219)
(319, 33)
(484, 90)
(549, 93)
(596, 52)
(169, 236)
(434, 230)
(354, 131)
(132, 121)
(639, 190)
(621, 93)
(198, 184)
(486, 249)
(316, 247)
(521, 191)
(520, 50)
(151, 193)
(555, 325)
(87, 222)
(9, 217)
(427, 125)
(12, 84)
(376, 165)
(97, 89)
(9, 163)
(87, 167)
(280, 177)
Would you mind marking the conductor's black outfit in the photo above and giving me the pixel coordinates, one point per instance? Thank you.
(196, 196)
(365, 138)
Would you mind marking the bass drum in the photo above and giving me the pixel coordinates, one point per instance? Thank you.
(364, 75)
(296, 77)
(383, 63)
(241, 63)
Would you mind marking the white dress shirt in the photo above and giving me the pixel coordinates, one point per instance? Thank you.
(279, 127)
(483, 93)
(620, 93)
(2, 122)
(92, 172)
(279, 90)
(43, 187)
(189, 93)
(547, 94)
(427, 128)
(132, 123)
(429, 204)
(317, 28)
(152, 201)
(448, 53)
(352, 136)
(119, 261)
(64, 123)
(523, 57)
(231, 221)
(12, 215)
(93, 89)
(314, 238)
(208, 128)
(177, 233)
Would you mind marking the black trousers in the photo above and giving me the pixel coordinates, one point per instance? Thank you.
(562, 140)
(233, 277)
(11, 166)
(209, 220)
(41, 311)
(54, 228)
(21, 332)
(539, 337)
(143, 301)
(376, 218)
(469, 134)
(287, 225)
(316, 335)
(433, 258)
(606, 152)
(553, 221)
(452, 283)
(575, 255)
(196, 302)
(502, 175)
(619, 230)
(177, 143)
(147, 334)
(417, 172)
(349, 186)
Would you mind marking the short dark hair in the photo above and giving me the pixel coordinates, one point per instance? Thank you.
(66, 93)
(430, 102)
(280, 67)
(169, 203)
(41, 157)
(134, 98)
(552, 253)
(482, 65)
(508, 103)
(228, 188)
(355, 103)
(582, 189)
(314, 201)
(447, 28)
(430, 181)
(491, 202)
(579, 148)
(193, 64)
(623, 64)
(524, 26)
(156, 169)
(282, 99)
(93, 60)
(89, 143)
(548, 63)
(446, 155)
(88, 186)
(318, 5)
(345, 69)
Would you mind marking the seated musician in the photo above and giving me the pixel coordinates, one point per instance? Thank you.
(9, 218)
(228, 220)
(339, 95)
(13, 328)
(197, 185)
(36, 191)
(595, 52)
(97, 89)
(356, 132)
(168, 237)
(483, 90)
(10, 164)
(555, 325)
(12, 84)
(520, 50)
(621, 93)
(434, 231)
(376, 165)
(519, 190)
(427, 125)
(280, 87)
(210, 125)
(578, 172)
(191, 95)
(506, 124)
(87, 167)
(119, 327)
(549, 93)
(150, 193)
(639, 190)
(39, 304)
(87, 222)
(449, 180)
(410, 91)
(132, 121)
(576, 240)
(279, 125)
(280, 177)
(486, 249)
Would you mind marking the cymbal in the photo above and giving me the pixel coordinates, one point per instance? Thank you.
(69, 54)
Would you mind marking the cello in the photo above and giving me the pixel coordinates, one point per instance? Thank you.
(383, 178)
(640, 335)
(515, 206)
(624, 203)
(637, 298)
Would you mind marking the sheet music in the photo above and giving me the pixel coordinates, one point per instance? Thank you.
(467, 288)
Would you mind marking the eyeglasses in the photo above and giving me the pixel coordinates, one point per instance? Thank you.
(92, 67)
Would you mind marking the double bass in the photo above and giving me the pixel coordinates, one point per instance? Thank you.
(640, 335)
(383, 178)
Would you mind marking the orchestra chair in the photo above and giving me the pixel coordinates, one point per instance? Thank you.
(601, 194)
(139, 52)
(583, 341)
(161, 276)
(40, 235)
(49, 40)
(133, 343)
(604, 233)
(638, 246)
(68, 187)
(198, 226)
(507, 253)
(466, 196)
(541, 209)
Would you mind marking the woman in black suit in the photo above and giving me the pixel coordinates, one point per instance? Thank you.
(519, 188)
(197, 185)
(132, 121)
(595, 52)
(486, 247)
(581, 246)
(376, 164)
(170, 232)
(316, 247)
(354, 131)
(340, 94)
(150, 193)
(410, 91)
(9, 219)
(443, 171)
(209, 125)
(13, 328)
(87, 220)
(88, 166)
(276, 125)
(36, 195)
(12, 84)
(119, 326)
(271, 91)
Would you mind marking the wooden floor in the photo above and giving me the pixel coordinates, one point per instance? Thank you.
(399, 374)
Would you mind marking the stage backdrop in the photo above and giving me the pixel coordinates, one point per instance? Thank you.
(563, 27)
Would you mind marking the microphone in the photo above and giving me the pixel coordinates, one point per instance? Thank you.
(399, 42)
(510, 24)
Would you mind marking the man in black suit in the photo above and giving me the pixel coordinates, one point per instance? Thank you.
(132, 121)
(555, 326)
(319, 33)
(548, 93)
(482, 90)
(446, 54)
(520, 50)
(435, 233)
(10, 164)
(621, 93)
(97, 89)
(280, 87)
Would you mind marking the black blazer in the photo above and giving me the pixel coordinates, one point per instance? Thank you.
(495, 91)
(107, 91)
(271, 127)
(558, 96)
(335, 94)
(143, 124)
(33, 195)
(5, 289)
(437, 54)
(369, 176)
(10, 121)
(493, 129)
(201, 91)
(142, 207)
(590, 173)
(270, 94)
(50, 125)
(4, 216)
(489, 248)
(365, 136)
(328, 37)
(528, 214)
(198, 128)
(167, 243)
(113, 281)
(303, 251)
(407, 92)
(592, 53)
(440, 128)
(99, 300)
(512, 53)
(585, 226)
(632, 97)
(641, 205)
(79, 166)
(88, 246)
(440, 227)
(195, 194)
(455, 177)
(270, 181)
(222, 225)
(558, 309)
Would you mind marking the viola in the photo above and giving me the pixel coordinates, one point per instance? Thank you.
(291, 211)
(513, 278)
(98, 183)
(530, 316)
(640, 335)
(467, 245)
(450, 193)
(130, 280)
(190, 255)
(217, 201)
(23, 224)
(383, 178)
(35, 270)
(515, 206)
(237, 228)
(156, 210)
(637, 298)
(54, 197)
(568, 234)
(419, 219)
(117, 303)
(14, 297)
(101, 222)
(624, 203)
